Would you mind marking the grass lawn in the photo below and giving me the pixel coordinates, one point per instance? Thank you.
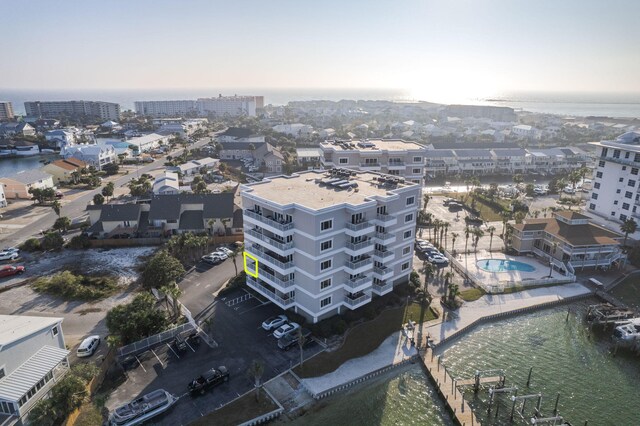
(239, 411)
(471, 294)
(364, 338)
(70, 286)
(629, 291)
(487, 213)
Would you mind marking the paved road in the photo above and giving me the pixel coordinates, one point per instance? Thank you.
(200, 284)
(78, 206)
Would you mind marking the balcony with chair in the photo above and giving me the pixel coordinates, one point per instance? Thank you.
(284, 301)
(263, 239)
(359, 283)
(359, 229)
(359, 266)
(268, 221)
(270, 259)
(382, 287)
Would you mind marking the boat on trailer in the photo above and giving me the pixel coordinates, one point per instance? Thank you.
(628, 332)
(142, 409)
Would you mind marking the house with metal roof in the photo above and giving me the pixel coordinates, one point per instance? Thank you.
(18, 185)
(33, 358)
(115, 219)
(62, 170)
(166, 184)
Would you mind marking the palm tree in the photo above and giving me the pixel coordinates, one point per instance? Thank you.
(301, 341)
(174, 291)
(628, 227)
(426, 199)
(573, 178)
(477, 234)
(56, 207)
(234, 257)
(467, 233)
(505, 218)
(429, 270)
(446, 231)
(554, 247)
(255, 372)
(491, 230)
(453, 292)
(447, 278)
(454, 236)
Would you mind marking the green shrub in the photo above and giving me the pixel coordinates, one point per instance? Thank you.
(136, 320)
(339, 326)
(76, 287)
(32, 244)
(52, 241)
(79, 242)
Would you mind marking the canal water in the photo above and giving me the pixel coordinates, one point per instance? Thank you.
(10, 166)
(594, 385)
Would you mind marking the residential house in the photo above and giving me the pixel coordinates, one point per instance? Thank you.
(97, 156)
(440, 162)
(296, 129)
(17, 129)
(570, 240)
(148, 142)
(525, 131)
(166, 184)
(308, 156)
(19, 148)
(238, 150)
(510, 160)
(33, 358)
(239, 134)
(475, 161)
(269, 157)
(62, 170)
(194, 167)
(116, 219)
(18, 185)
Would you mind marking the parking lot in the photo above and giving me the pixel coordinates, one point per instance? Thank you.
(236, 326)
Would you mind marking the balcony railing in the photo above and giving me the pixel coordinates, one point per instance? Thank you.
(382, 287)
(284, 302)
(278, 225)
(359, 226)
(269, 240)
(359, 263)
(284, 283)
(384, 236)
(359, 246)
(270, 258)
(385, 217)
(383, 253)
(358, 300)
(382, 271)
(357, 282)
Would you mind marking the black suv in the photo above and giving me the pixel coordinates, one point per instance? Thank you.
(291, 339)
(208, 380)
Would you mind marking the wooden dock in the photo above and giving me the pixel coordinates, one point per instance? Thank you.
(446, 386)
(483, 380)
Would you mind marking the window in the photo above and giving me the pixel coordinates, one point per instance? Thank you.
(596, 185)
(594, 196)
(411, 201)
(620, 180)
(616, 153)
(327, 224)
(618, 191)
(325, 283)
(623, 217)
(406, 250)
(631, 183)
(624, 168)
(408, 218)
(417, 159)
(415, 171)
(625, 206)
(598, 174)
(54, 330)
(592, 206)
(636, 158)
(405, 266)
(613, 213)
(615, 203)
(628, 194)
(325, 265)
(634, 171)
(601, 163)
(407, 234)
(343, 161)
(325, 302)
(326, 245)
(604, 152)
(626, 154)
(2, 373)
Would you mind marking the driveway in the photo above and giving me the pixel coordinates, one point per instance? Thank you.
(199, 285)
(235, 325)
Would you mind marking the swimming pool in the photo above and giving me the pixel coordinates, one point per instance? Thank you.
(504, 265)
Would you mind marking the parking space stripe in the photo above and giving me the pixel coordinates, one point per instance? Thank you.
(174, 352)
(189, 346)
(139, 363)
(157, 357)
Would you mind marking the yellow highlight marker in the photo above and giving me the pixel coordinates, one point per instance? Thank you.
(253, 274)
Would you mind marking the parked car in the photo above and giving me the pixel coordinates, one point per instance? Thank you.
(453, 207)
(274, 322)
(448, 201)
(285, 329)
(473, 219)
(222, 255)
(438, 260)
(180, 344)
(291, 339)
(59, 194)
(9, 270)
(211, 259)
(569, 190)
(9, 255)
(226, 251)
(10, 250)
(208, 380)
(88, 347)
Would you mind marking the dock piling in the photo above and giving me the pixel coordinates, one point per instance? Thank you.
(529, 377)
(555, 408)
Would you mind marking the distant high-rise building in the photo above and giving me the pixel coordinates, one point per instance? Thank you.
(6, 111)
(230, 106)
(56, 109)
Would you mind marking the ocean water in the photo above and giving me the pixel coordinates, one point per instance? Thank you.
(624, 105)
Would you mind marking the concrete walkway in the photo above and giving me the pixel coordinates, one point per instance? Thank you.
(494, 304)
(396, 348)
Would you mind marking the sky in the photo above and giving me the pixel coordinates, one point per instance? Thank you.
(428, 48)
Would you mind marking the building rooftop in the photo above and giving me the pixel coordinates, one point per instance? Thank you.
(314, 189)
(372, 145)
(571, 215)
(169, 207)
(120, 212)
(16, 327)
(29, 176)
(70, 163)
(576, 235)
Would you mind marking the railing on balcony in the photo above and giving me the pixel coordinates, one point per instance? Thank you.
(271, 222)
(382, 253)
(288, 282)
(385, 217)
(358, 300)
(369, 164)
(359, 226)
(356, 282)
(270, 258)
(360, 245)
(269, 240)
(286, 302)
(381, 270)
(382, 287)
(359, 263)
(383, 236)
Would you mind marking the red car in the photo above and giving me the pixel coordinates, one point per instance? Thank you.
(8, 270)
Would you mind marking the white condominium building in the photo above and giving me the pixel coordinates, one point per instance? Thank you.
(6, 111)
(616, 184)
(221, 106)
(392, 156)
(57, 109)
(329, 241)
